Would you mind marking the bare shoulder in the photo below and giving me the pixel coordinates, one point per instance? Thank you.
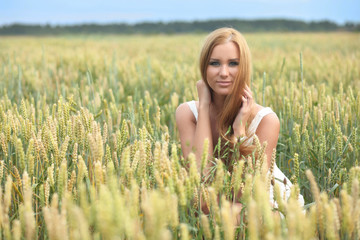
(186, 126)
(183, 114)
(271, 119)
(270, 123)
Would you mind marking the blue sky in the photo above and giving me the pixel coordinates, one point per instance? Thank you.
(130, 11)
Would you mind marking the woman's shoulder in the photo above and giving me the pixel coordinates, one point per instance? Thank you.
(187, 106)
(267, 117)
(262, 111)
(268, 126)
(185, 111)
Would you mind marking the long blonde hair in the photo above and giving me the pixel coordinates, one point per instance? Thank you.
(233, 101)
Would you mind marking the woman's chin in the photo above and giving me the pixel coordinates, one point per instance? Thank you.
(222, 92)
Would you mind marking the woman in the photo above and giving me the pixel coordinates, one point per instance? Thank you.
(225, 100)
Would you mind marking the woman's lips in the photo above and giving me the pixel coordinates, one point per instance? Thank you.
(224, 83)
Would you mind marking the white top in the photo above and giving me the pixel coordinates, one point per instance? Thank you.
(192, 106)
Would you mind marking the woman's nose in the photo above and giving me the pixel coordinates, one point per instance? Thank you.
(224, 71)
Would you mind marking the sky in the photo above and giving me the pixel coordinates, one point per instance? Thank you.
(68, 12)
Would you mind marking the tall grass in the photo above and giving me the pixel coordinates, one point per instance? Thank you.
(89, 147)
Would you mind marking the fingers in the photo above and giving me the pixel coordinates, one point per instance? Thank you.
(199, 83)
(247, 95)
(203, 92)
(246, 101)
(247, 92)
(247, 98)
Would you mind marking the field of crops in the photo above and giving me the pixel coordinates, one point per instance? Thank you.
(89, 147)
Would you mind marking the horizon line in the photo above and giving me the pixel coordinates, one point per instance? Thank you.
(175, 21)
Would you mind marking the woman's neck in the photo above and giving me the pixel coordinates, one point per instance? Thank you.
(218, 103)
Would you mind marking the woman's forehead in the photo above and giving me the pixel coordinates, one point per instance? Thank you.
(228, 50)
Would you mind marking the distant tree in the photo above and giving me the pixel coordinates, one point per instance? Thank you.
(270, 25)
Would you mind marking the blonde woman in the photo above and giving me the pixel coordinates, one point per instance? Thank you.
(225, 100)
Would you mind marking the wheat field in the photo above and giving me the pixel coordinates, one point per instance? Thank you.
(89, 147)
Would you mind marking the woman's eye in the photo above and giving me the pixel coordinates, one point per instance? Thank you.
(233, 63)
(214, 63)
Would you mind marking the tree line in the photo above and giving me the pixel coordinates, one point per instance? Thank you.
(271, 25)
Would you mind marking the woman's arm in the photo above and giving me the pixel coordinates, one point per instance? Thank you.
(192, 133)
(268, 131)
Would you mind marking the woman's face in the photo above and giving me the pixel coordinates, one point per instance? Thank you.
(223, 68)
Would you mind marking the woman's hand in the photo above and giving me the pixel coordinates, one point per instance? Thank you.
(244, 112)
(203, 93)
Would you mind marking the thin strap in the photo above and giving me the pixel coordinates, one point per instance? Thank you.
(257, 119)
(192, 106)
